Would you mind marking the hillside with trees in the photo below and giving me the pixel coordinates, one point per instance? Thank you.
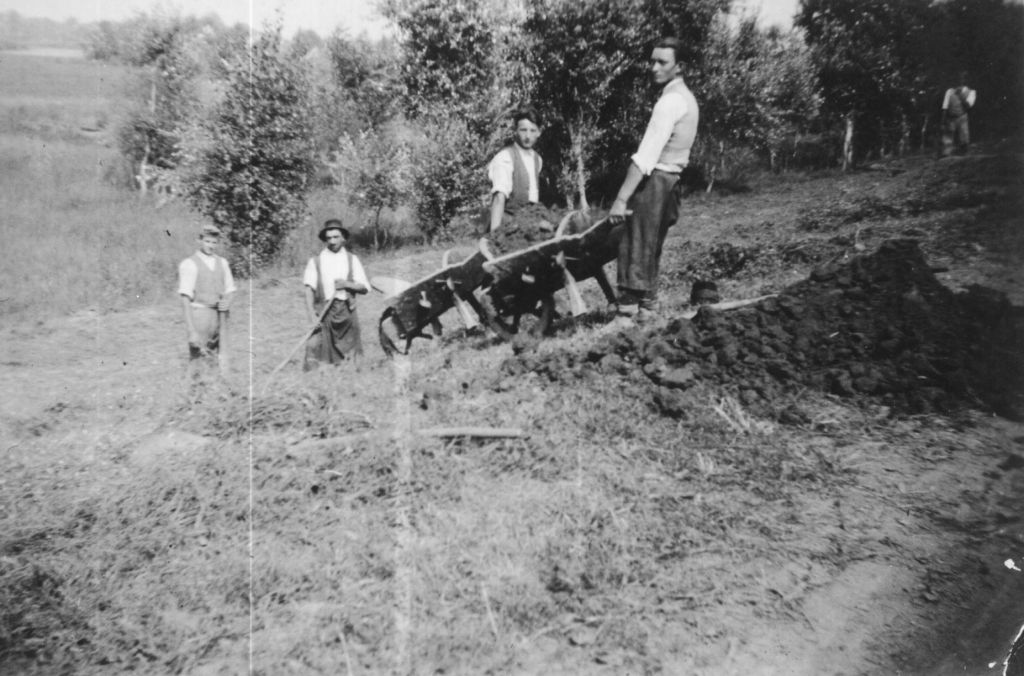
(822, 474)
(407, 123)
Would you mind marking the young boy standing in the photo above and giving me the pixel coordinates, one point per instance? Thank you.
(206, 288)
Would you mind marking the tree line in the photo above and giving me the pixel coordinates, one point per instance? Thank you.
(245, 124)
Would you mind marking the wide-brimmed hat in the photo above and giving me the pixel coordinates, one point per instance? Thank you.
(332, 224)
(209, 230)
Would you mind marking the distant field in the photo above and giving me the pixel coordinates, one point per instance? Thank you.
(103, 245)
(71, 238)
(55, 97)
(35, 74)
(53, 52)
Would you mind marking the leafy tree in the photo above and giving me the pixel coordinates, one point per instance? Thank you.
(166, 94)
(303, 43)
(256, 167)
(983, 38)
(447, 53)
(367, 77)
(376, 174)
(448, 178)
(584, 62)
(455, 89)
(760, 89)
(692, 21)
(865, 64)
(587, 66)
(104, 42)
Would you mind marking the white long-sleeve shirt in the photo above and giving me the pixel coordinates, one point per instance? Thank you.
(674, 104)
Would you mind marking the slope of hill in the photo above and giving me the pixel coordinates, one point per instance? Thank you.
(847, 511)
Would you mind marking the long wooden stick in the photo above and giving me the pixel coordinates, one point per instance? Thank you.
(729, 305)
(319, 320)
(222, 339)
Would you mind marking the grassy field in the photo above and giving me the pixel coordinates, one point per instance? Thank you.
(54, 97)
(311, 524)
(73, 238)
(68, 212)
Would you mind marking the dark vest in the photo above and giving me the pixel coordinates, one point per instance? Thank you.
(520, 196)
(209, 283)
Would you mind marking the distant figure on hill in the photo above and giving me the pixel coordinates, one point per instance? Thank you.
(206, 288)
(956, 134)
(332, 280)
(515, 172)
(651, 187)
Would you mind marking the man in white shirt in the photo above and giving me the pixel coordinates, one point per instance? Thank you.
(332, 280)
(955, 130)
(651, 186)
(515, 170)
(206, 287)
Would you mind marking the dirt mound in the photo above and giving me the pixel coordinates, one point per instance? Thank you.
(534, 224)
(878, 327)
(530, 225)
(724, 260)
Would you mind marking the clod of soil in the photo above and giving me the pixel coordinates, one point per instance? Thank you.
(529, 226)
(879, 327)
(534, 224)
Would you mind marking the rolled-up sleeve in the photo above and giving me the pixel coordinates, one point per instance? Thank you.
(499, 170)
(309, 277)
(669, 109)
(187, 274)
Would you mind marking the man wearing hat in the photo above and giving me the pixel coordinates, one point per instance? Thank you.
(206, 288)
(332, 280)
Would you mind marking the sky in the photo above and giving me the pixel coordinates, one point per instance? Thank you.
(322, 16)
(771, 12)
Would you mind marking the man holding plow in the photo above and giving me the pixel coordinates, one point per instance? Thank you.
(332, 279)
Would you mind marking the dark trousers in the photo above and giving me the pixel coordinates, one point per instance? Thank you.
(655, 206)
(956, 135)
(337, 337)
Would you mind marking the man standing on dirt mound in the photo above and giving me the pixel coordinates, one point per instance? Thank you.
(515, 170)
(206, 288)
(651, 186)
(332, 280)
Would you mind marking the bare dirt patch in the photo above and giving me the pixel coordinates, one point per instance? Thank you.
(825, 482)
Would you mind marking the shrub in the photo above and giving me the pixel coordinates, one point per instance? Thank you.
(254, 174)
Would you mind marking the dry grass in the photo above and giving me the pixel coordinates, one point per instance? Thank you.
(377, 551)
(310, 530)
(82, 243)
